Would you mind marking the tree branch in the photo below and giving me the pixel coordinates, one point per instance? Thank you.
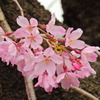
(20, 8)
(29, 88)
(28, 83)
(84, 93)
(3, 23)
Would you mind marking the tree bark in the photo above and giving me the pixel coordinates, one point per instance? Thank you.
(86, 15)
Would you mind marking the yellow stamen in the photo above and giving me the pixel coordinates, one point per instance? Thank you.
(46, 60)
(31, 38)
(58, 49)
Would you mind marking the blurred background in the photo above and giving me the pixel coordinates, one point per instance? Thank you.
(78, 13)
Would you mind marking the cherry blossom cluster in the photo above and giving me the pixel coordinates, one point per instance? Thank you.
(48, 52)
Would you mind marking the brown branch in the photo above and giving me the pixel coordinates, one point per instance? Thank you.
(3, 23)
(29, 88)
(84, 93)
(20, 8)
(29, 85)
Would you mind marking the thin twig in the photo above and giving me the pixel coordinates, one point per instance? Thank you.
(84, 93)
(20, 8)
(28, 83)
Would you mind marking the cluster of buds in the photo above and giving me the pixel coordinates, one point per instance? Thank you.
(48, 52)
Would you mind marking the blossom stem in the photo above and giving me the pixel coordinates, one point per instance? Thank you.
(48, 35)
(48, 42)
(20, 8)
(84, 93)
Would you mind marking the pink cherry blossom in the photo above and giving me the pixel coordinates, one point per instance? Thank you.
(47, 62)
(24, 23)
(68, 62)
(25, 62)
(32, 39)
(72, 39)
(8, 50)
(26, 50)
(88, 53)
(85, 68)
(68, 79)
(56, 31)
(47, 82)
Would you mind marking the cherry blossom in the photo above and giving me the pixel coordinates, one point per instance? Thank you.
(47, 62)
(71, 39)
(24, 23)
(63, 59)
(32, 39)
(47, 82)
(68, 79)
(56, 31)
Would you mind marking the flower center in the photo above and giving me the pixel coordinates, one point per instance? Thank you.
(31, 38)
(87, 55)
(71, 41)
(47, 60)
(58, 49)
(1, 35)
(30, 28)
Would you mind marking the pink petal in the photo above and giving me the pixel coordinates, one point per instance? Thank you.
(19, 33)
(38, 39)
(59, 69)
(40, 68)
(22, 21)
(67, 43)
(90, 49)
(33, 22)
(51, 68)
(2, 31)
(76, 34)
(74, 79)
(51, 81)
(68, 64)
(26, 43)
(48, 52)
(78, 44)
(57, 31)
(52, 21)
(29, 66)
(12, 50)
(68, 32)
(57, 59)
(60, 77)
(65, 83)
(39, 58)
(92, 57)
(35, 31)
(34, 45)
(40, 79)
(46, 84)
